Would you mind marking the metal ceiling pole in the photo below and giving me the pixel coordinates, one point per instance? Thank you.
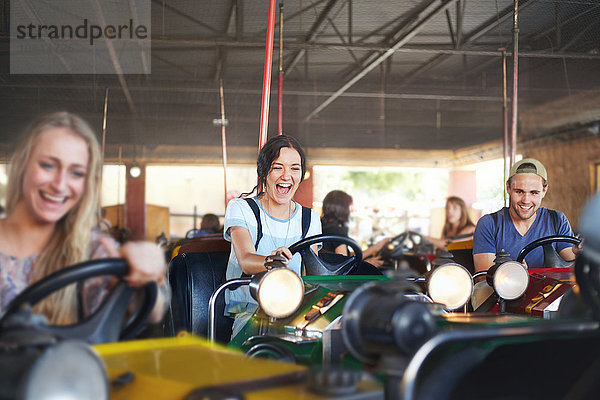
(264, 112)
(223, 144)
(280, 77)
(515, 88)
(104, 116)
(504, 122)
(104, 121)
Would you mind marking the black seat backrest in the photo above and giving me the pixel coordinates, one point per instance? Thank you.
(193, 278)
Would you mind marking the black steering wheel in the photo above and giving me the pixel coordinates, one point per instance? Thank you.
(551, 258)
(317, 266)
(405, 242)
(104, 324)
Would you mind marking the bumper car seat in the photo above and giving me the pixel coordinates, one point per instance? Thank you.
(193, 278)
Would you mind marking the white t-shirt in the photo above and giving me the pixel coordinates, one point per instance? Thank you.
(276, 233)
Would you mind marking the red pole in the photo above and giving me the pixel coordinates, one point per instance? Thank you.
(264, 112)
(280, 77)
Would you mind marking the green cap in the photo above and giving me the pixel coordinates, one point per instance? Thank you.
(528, 166)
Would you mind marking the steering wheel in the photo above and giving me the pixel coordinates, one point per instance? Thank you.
(551, 258)
(404, 242)
(317, 266)
(104, 324)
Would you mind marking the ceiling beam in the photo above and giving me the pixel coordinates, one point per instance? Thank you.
(166, 44)
(412, 28)
(116, 63)
(312, 34)
(290, 17)
(343, 40)
(491, 23)
(185, 88)
(186, 16)
(239, 19)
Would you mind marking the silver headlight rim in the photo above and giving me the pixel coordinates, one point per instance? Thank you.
(441, 267)
(42, 362)
(496, 275)
(256, 286)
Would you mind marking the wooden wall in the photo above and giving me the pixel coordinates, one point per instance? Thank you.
(570, 174)
(157, 219)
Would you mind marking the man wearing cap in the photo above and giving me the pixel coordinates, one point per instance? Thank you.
(523, 221)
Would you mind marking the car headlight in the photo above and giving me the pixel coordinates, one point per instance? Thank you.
(450, 284)
(66, 370)
(510, 280)
(279, 292)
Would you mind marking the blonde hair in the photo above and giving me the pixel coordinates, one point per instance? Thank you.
(70, 240)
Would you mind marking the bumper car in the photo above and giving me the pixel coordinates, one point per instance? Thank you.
(410, 249)
(309, 330)
(97, 358)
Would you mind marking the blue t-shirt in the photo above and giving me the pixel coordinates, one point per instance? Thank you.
(511, 240)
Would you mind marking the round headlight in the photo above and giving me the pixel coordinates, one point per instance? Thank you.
(510, 280)
(279, 292)
(67, 370)
(450, 284)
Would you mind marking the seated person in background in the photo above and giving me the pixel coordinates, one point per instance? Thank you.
(458, 225)
(104, 224)
(51, 208)
(280, 166)
(210, 224)
(334, 221)
(523, 221)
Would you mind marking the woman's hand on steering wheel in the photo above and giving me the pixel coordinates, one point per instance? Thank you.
(146, 264)
(146, 261)
(284, 251)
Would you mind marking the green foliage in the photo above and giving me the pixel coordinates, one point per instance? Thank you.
(408, 183)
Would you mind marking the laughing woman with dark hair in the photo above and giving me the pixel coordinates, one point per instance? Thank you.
(281, 165)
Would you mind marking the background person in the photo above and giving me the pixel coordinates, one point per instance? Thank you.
(51, 210)
(334, 221)
(280, 166)
(210, 224)
(458, 224)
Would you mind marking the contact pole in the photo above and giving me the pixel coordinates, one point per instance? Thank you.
(223, 142)
(515, 88)
(104, 117)
(280, 77)
(264, 112)
(504, 121)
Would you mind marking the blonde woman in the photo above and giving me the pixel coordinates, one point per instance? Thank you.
(51, 207)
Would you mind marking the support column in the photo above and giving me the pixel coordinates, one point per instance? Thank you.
(304, 194)
(463, 184)
(135, 201)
